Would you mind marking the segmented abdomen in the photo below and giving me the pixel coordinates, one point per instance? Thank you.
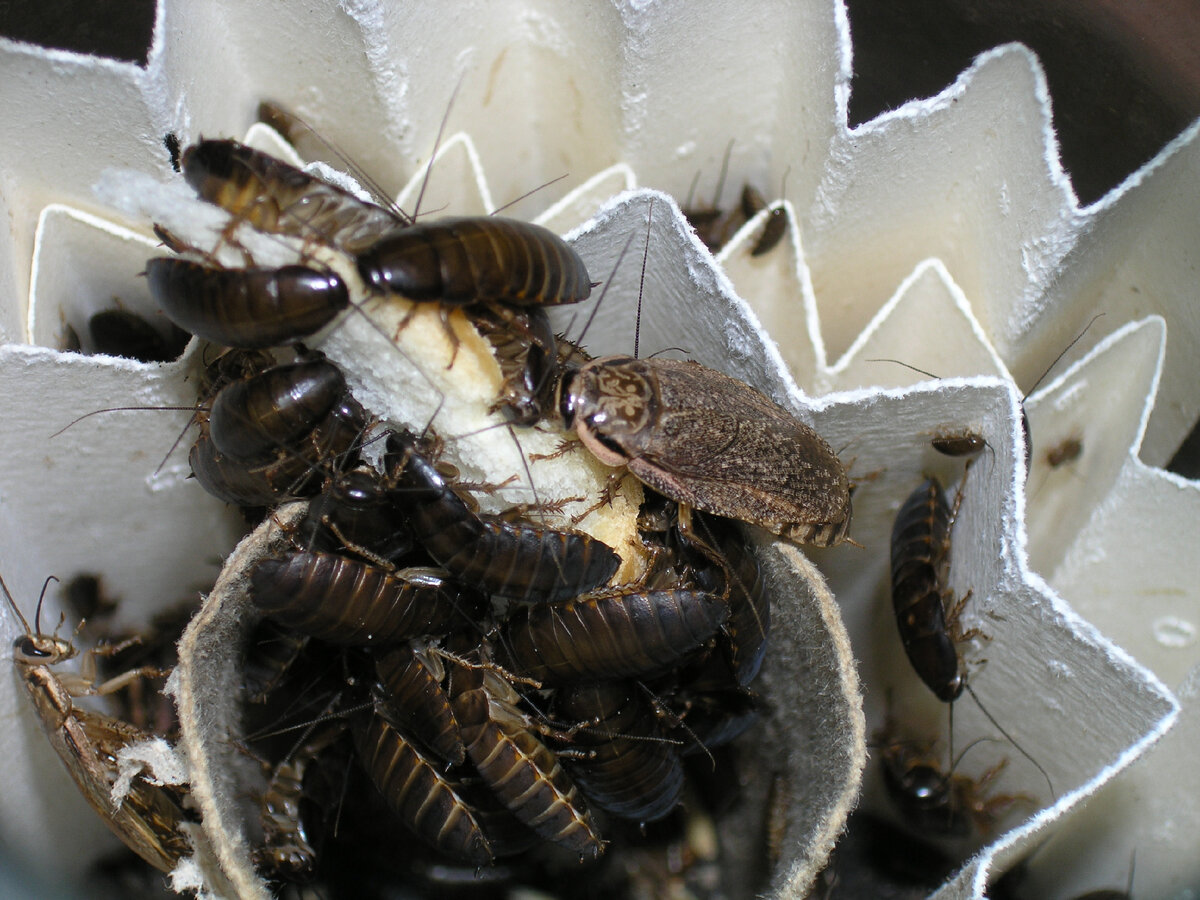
(476, 258)
(247, 308)
(348, 602)
(424, 799)
(616, 634)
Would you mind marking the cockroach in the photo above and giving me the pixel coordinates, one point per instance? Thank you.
(332, 445)
(523, 773)
(287, 850)
(247, 308)
(752, 201)
(253, 418)
(278, 198)
(776, 227)
(354, 512)
(352, 603)
(271, 653)
(148, 820)
(621, 632)
(927, 616)
(956, 443)
(427, 801)
(521, 561)
(410, 696)
(710, 441)
(119, 332)
(632, 770)
(1067, 450)
(459, 261)
(275, 433)
(487, 261)
(712, 224)
(959, 443)
(526, 349)
(171, 143)
(707, 719)
(939, 803)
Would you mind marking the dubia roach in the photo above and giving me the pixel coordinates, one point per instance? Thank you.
(252, 418)
(296, 470)
(702, 438)
(939, 803)
(247, 308)
(1067, 450)
(87, 742)
(426, 800)
(632, 770)
(345, 601)
(480, 259)
(274, 433)
(520, 769)
(526, 349)
(926, 615)
(616, 633)
(410, 696)
(354, 512)
(521, 561)
(734, 573)
(278, 198)
(959, 443)
(288, 850)
(119, 332)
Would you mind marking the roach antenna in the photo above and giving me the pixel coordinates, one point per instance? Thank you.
(1009, 737)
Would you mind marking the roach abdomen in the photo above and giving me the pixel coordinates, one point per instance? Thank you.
(614, 635)
(476, 259)
(254, 418)
(247, 308)
(425, 800)
(524, 773)
(353, 603)
(412, 699)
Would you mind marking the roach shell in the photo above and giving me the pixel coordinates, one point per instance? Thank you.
(617, 634)
(424, 799)
(353, 603)
(920, 541)
(459, 261)
(702, 438)
(247, 308)
(252, 419)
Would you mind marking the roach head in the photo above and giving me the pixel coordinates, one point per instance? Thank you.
(42, 649)
(564, 396)
(206, 158)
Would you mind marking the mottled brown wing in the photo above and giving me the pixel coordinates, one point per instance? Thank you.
(725, 448)
(148, 820)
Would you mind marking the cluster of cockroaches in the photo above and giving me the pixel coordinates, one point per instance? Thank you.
(501, 696)
(505, 703)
